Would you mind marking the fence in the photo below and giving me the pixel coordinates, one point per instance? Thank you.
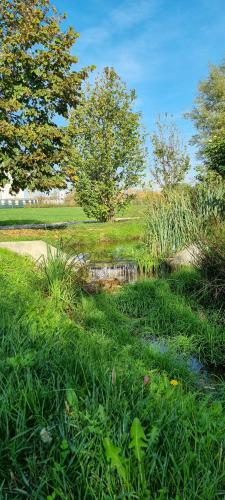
(17, 203)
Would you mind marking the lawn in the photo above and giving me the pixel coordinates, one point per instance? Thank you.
(102, 240)
(77, 377)
(32, 215)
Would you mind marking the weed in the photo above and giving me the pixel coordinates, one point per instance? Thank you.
(211, 263)
(179, 217)
(82, 380)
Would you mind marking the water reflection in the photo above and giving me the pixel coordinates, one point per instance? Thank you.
(192, 362)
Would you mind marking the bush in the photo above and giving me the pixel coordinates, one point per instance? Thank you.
(181, 215)
(171, 223)
(211, 263)
(209, 197)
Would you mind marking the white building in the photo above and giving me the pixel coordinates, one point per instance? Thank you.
(27, 197)
(5, 194)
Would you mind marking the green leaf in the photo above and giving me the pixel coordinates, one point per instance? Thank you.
(154, 434)
(65, 451)
(64, 445)
(38, 82)
(25, 360)
(72, 399)
(139, 439)
(116, 461)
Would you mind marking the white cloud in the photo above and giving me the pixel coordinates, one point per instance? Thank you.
(150, 44)
(121, 39)
(130, 14)
(119, 20)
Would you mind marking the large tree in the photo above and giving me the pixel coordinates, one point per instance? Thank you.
(108, 146)
(37, 84)
(170, 159)
(208, 116)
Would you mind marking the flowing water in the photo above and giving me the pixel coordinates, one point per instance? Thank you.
(123, 271)
(114, 271)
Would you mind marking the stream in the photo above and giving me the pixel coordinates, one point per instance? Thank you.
(111, 266)
(123, 271)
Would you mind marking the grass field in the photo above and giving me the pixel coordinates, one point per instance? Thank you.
(76, 376)
(102, 240)
(88, 408)
(32, 215)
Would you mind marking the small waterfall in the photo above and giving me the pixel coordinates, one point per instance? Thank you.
(124, 272)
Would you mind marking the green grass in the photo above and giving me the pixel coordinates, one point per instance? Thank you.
(161, 312)
(32, 215)
(74, 365)
(100, 240)
(103, 241)
(15, 216)
(171, 224)
(179, 217)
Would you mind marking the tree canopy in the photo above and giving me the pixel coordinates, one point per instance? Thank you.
(208, 116)
(170, 159)
(37, 84)
(108, 145)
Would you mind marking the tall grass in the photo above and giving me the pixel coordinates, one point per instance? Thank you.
(211, 263)
(209, 198)
(179, 217)
(62, 276)
(70, 384)
(57, 266)
(171, 223)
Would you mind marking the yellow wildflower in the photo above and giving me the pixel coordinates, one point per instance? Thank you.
(174, 382)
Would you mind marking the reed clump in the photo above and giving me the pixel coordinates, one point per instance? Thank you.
(180, 217)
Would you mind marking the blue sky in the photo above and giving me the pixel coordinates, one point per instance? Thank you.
(161, 48)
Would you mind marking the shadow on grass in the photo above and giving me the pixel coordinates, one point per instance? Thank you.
(20, 222)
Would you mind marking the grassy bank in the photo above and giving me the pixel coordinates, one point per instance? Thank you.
(101, 240)
(72, 375)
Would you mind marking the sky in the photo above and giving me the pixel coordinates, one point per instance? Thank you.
(162, 48)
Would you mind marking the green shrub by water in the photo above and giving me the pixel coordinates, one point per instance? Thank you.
(170, 224)
(211, 263)
(180, 216)
(73, 382)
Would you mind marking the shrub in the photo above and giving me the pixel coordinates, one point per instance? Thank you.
(209, 197)
(180, 216)
(211, 263)
(171, 223)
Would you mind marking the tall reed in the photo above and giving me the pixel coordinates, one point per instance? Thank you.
(211, 263)
(171, 223)
(56, 265)
(179, 217)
